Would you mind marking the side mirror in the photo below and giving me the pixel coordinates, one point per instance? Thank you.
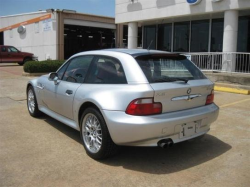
(54, 77)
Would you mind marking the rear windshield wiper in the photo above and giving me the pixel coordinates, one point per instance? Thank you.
(170, 79)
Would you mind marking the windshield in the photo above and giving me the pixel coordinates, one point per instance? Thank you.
(168, 68)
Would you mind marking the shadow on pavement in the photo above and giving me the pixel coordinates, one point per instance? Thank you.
(70, 132)
(156, 160)
(181, 156)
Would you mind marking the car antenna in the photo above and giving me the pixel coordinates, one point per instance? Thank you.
(149, 45)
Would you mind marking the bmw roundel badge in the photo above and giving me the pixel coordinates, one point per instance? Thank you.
(193, 2)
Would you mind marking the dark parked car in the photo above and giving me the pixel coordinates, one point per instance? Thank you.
(12, 54)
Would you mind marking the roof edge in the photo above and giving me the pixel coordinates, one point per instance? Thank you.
(23, 14)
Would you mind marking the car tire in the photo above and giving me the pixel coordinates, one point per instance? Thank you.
(24, 61)
(32, 103)
(95, 135)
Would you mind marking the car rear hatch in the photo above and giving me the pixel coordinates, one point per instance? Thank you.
(177, 83)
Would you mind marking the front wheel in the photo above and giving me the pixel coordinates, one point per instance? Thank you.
(95, 135)
(24, 61)
(32, 102)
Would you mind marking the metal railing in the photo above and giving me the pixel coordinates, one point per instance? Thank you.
(224, 62)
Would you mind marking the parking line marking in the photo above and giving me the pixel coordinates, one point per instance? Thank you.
(222, 106)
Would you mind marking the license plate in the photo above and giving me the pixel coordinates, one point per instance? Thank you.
(189, 129)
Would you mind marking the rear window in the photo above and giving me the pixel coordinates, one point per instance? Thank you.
(168, 68)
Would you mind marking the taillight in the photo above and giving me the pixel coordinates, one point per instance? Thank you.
(210, 98)
(144, 106)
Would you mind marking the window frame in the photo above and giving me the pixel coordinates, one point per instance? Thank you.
(67, 63)
(11, 51)
(6, 50)
(94, 61)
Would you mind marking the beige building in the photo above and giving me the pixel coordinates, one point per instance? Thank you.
(188, 26)
(57, 34)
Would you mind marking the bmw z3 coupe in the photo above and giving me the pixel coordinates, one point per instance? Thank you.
(126, 97)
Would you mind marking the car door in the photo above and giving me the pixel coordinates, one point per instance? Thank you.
(59, 97)
(4, 54)
(14, 55)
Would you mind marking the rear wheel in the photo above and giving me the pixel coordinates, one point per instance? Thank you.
(95, 135)
(32, 103)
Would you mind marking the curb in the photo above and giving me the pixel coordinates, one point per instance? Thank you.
(232, 90)
(33, 74)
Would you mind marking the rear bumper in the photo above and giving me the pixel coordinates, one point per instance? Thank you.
(35, 58)
(148, 130)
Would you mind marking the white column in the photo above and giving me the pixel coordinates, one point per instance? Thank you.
(132, 35)
(230, 39)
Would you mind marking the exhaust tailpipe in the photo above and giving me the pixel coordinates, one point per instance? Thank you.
(165, 143)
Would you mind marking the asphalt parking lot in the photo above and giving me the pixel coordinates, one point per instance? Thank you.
(44, 152)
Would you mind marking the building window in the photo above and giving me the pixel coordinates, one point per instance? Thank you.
(181, 36)
(149, 37)
(243, 43)
(217, 35)
(164, 37)
(139, 41)
(84, 38)
(125, 37)
(199, 36)
(1, 38)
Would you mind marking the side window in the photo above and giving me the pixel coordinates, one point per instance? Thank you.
(61, 71)
(77, 69)
(3, 49)
(106, 70)
(12, 49)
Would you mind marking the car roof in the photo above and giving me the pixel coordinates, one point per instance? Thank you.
(135, 51)
(132, 52)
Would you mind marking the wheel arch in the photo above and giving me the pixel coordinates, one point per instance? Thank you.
(28, 85)
(32, 83)
(27, 57)
(89, 104)
(83, 107)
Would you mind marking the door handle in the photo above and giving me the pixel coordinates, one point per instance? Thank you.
(40, 87)
(69, 92)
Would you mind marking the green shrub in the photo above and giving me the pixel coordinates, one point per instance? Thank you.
(42, 66)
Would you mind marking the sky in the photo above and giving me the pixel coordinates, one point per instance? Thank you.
(98, 7)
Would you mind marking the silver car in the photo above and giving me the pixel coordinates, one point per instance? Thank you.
(126, 97)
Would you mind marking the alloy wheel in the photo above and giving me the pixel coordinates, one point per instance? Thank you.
(92, 133)
(31, 101)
